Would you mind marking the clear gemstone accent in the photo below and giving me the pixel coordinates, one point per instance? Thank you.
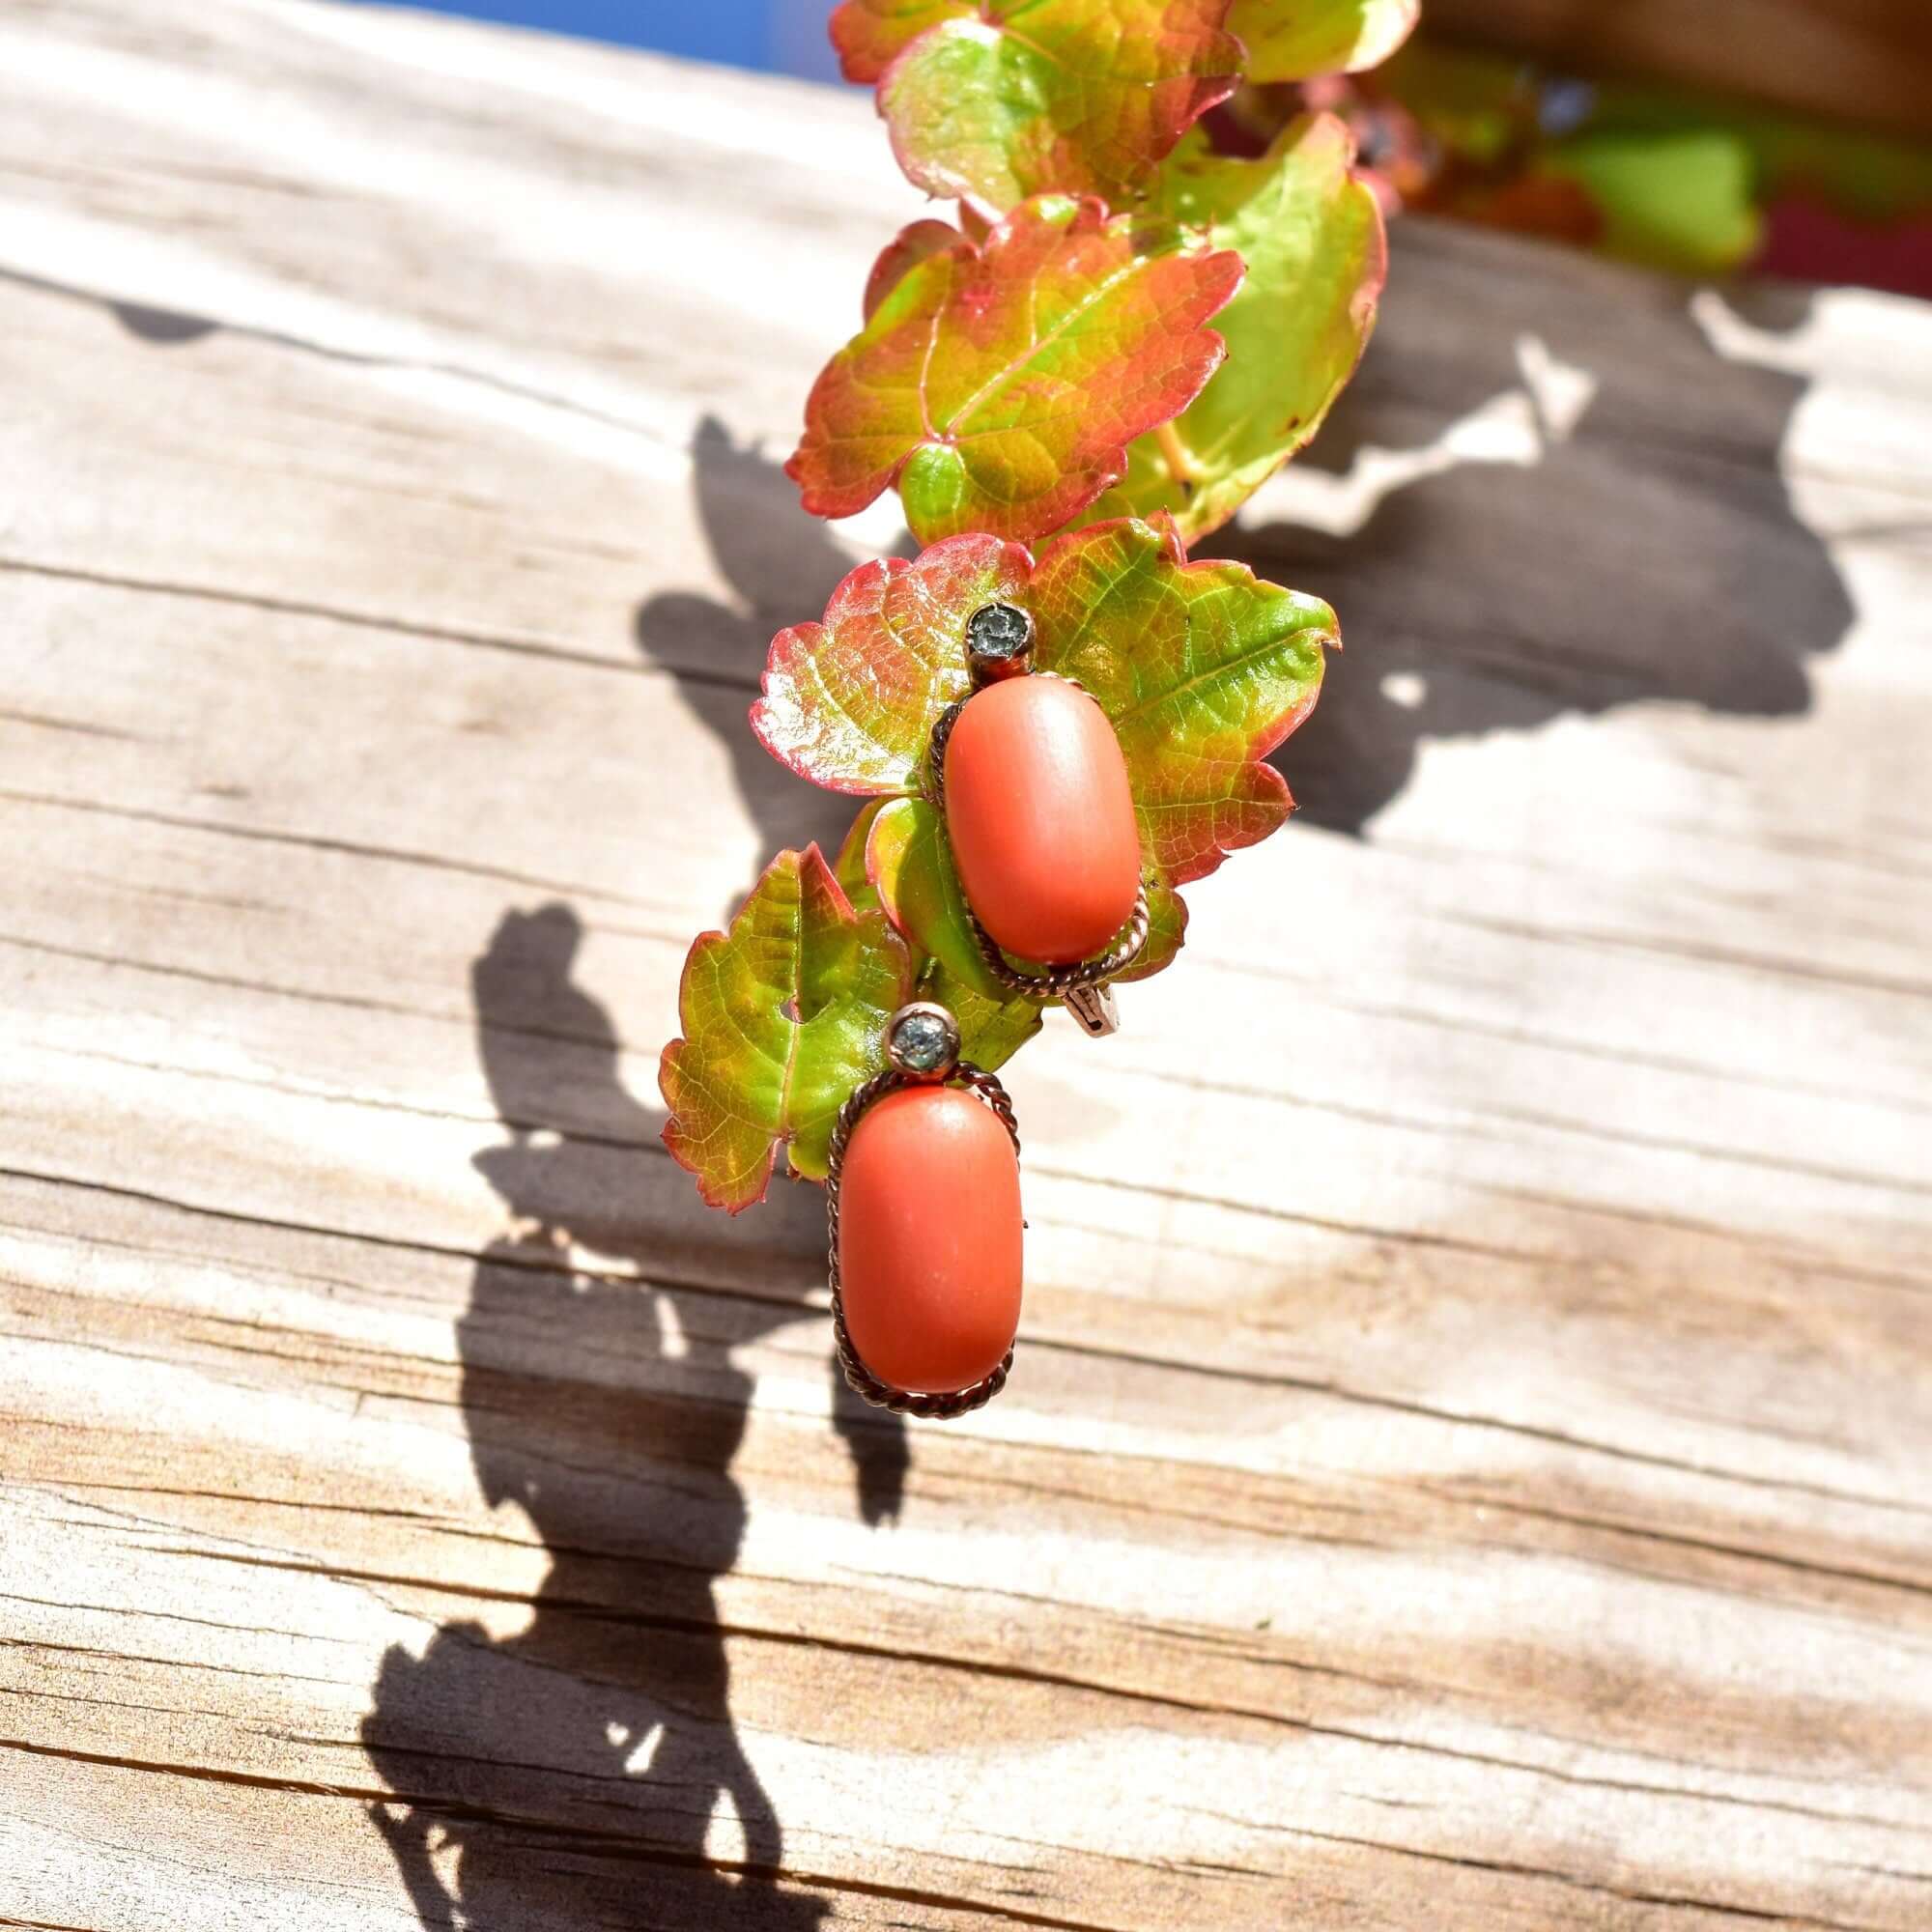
(922, 1043)
(998, 632)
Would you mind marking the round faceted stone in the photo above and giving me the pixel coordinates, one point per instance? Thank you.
(998, 632)
(924, 1040)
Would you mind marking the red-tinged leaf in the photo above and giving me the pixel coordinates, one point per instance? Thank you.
(1312, 237)
(783, 1016)
(1203, 669)
(1295, 40)
(849, 703)
(869, 35)
(902, 255)
(992, 103)
(999, 385)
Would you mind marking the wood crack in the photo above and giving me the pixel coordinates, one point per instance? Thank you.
(1669, 1901)
(358, 358)
(1337, 1391)
(349, 849)
(592, 1611)
(605, 1843)
(382, 623)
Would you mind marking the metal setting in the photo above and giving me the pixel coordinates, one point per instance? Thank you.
(1056, 982)
(858, 1379)
(1095, 1008)
(999, 642)
(922, 1041)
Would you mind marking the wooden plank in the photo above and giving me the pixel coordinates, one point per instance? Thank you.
(1467, 1465)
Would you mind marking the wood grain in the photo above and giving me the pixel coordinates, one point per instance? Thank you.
(1467, 1465)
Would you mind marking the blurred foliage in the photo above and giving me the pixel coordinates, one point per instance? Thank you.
(1653, 174)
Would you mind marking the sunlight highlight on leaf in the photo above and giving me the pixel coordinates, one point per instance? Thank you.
(996, 101)
(1313, 238)
(998, 384)
(1296, 42)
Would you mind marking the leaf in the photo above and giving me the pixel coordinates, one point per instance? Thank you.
(1312, 237)
(909, 248)
(992, 1025)
(1167, 929)
(1295, 40)
(849, 867)
(1680, 200)
(993, 102)
(849, 703)
(1203, 669)
(783, 1016)
(869, 34)
(909, 862)
(998, 385)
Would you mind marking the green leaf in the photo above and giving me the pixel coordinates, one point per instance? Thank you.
(784, 1016)
(870, 34)
(995, 102)
(1673, 200)
(849, 867)
(998, 384)
(1203, 669)
(1295, 40)
(909, 862)
(993, 1026)
(1312, 237)
(849, 703)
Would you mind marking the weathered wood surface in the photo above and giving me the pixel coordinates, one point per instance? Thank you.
(1469, 1465)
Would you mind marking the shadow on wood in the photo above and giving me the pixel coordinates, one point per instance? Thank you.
(1546, 564)
(783, 566)
(1526, 537)
(568, 1775)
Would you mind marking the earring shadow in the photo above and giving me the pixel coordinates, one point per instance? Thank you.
(570, 1775)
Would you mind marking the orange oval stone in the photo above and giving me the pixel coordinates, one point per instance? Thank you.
(1042, 819)
(930, 1239)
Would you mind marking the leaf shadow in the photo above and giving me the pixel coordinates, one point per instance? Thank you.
(783, 567)
(1550, 510)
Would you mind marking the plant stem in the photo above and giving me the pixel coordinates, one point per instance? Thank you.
(1175, 456)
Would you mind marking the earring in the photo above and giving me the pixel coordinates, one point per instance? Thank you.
(924, 1228)
(1028, 774)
